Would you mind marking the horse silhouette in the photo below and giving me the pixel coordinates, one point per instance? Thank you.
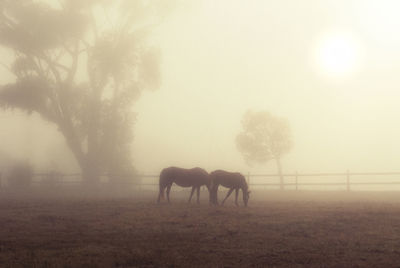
(195, 178)
(231, 180)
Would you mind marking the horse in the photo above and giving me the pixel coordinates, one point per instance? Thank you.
(231, 180)
(195, 178)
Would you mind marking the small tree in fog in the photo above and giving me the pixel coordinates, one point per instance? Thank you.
(81, 65)
(264, 137)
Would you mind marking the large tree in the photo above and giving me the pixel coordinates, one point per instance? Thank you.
(81, 64)
(264, 137)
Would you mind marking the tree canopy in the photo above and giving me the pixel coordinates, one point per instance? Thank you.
(81, 64)
(264, 137)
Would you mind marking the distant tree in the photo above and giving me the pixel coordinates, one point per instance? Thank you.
(81, 64)
(264, 137)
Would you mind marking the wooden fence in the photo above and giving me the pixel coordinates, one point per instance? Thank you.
(294, 181)
(346, 179)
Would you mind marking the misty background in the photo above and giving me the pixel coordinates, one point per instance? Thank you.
(221, 58)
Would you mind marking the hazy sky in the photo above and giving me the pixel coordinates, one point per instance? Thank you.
(223, 57)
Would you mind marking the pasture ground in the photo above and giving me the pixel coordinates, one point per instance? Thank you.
(278, 229)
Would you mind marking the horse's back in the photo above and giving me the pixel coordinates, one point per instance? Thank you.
(228, 179)
(184, 177)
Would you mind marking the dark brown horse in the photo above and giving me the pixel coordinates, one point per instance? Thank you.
(233, 181)
(195, 178)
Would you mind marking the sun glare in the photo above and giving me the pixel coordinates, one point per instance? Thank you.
(338, 55)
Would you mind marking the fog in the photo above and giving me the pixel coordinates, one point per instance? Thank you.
(222, 58)
(199, 133)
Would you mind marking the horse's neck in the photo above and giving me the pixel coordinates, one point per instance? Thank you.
(244, 186)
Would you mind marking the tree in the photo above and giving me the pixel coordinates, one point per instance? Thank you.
(264, 137)
(81, 64)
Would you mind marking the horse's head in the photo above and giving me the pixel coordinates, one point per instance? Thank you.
(246, 196)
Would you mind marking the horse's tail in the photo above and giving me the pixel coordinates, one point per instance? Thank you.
(161, 191)
(161, 186)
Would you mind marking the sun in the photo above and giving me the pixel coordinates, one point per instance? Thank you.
(338, 54)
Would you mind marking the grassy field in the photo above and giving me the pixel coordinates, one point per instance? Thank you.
(289, 229)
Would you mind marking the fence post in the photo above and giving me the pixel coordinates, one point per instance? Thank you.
(348, 180)
(297, 186)
(248, 179)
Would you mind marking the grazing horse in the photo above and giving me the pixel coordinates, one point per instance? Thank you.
(233, 181)
(195, 178)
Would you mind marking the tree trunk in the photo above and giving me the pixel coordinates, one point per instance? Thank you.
(91, 169)
(281, 180)
(90, 173)
(87, 162)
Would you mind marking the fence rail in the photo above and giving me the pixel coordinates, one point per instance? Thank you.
(296, 180)
(345, 179)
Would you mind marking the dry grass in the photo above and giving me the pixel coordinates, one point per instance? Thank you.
(277, 230)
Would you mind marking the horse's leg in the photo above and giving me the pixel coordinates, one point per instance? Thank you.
(211, 197)
(216, 195)
(168, 190)
(191, 194)
(229, 193)
(198, 194)
(236, 196)
(161, 193)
